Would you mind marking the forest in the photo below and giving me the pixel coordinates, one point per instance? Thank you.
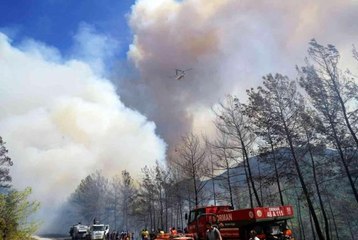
(294, 141)
(288, 142)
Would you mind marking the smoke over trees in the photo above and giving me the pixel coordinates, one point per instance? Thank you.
(277, 148)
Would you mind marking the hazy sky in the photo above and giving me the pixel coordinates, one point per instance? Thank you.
(87, 85)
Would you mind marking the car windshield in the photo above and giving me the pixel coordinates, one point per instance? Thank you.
(98, 228)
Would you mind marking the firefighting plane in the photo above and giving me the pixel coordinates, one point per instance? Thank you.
(179, 74)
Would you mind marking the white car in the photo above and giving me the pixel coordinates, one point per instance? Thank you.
(79, 231)
(99, 231)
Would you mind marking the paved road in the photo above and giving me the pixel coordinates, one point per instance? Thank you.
(52, 238)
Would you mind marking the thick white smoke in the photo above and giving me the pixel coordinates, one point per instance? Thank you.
(62, 122)
(229, 45)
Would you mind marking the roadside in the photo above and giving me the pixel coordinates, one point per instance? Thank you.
(50, 238)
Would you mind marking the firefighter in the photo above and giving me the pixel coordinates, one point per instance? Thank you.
(173, 232)
(152, 235)
(145, 234)
(253, 235)
(212, 233)
(287, 233)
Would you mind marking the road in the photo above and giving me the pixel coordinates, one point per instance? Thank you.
(52, 238)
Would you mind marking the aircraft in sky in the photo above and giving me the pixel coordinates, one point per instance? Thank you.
(179, 74)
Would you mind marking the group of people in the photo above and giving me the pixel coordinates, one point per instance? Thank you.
(146, 235)
(120, 236)
(212, 233)
(160, 234)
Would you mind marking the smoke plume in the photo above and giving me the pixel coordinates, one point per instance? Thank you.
(62, 122)
(228, 44)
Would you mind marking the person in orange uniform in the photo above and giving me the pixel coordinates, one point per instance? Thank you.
(173, 231)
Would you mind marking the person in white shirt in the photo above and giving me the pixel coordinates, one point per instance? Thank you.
(212, 233)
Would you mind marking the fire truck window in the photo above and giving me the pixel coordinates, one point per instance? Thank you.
(192, 216)
(258, 229)
(195, 214)
(275, 230)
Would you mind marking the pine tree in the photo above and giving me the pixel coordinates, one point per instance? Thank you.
(285, 104)
(5, 163)
(15, 208)
(90, 197)
(232, 122)
(193, 165)
(333, 95)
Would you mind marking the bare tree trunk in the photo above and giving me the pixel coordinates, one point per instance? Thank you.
(248, 186)
(276, 170)
(260, 184)
(196, 193)
(193, 163)
(350, 229)
(312, 228)
(246, 159)
(115, 214)
(300, 223)
(234, 123)
(166, 210)
(222, 151)
(153, 218)
(341, 154)
(303, 185)
(334, 79)
(229, 184)
(4, 235)
(317, 189)
(213, 179)
(333, 218)
(327, 60)
(181, 215)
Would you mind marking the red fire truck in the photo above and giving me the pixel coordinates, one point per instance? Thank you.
(268, 222)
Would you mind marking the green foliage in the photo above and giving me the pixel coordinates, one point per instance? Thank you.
(15, 209)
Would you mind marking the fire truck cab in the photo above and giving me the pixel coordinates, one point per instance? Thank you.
(268, 222)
